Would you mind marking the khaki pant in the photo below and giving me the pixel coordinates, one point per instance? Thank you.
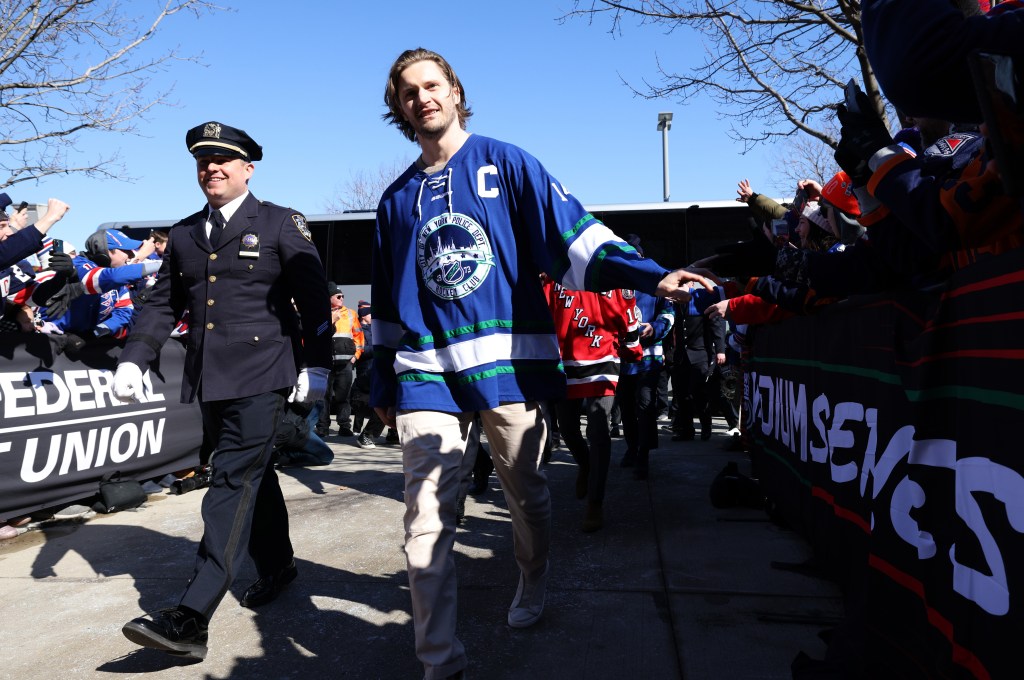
(433, 445)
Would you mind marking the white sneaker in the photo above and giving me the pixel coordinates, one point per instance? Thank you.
(528, 604)
(72, 512)
(734, 432)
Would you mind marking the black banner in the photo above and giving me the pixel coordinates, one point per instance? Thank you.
(62, 429)
(885, 432)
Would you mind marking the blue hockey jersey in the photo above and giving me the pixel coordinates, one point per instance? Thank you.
(460, 322)
(661, 315)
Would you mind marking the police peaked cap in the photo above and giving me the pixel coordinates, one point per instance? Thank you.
(216, 139)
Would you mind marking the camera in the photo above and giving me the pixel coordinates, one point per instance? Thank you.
(201, 479)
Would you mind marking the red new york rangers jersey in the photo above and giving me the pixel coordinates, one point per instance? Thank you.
(594, 331)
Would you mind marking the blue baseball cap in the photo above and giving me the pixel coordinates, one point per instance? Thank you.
(120, 241)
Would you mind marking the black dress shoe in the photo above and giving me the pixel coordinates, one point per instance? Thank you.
(179, 630)
(705, 434)
(267, 588)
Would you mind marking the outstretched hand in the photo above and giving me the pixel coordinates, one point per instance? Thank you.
(674, 287)
(55, 211)
(719, 310)
(744, 191)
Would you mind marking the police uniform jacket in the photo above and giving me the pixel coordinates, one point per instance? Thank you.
(245, 336)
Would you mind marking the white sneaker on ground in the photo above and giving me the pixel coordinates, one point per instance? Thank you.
(72, 512)
(528, 604)
(734, 432)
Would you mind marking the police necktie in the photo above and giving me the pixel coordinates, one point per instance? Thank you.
(216, 227)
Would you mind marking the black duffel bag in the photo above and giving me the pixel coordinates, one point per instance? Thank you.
(118, 494)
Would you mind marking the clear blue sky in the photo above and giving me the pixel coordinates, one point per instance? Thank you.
(306, 79)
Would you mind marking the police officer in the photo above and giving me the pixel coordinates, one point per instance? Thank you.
(235, 266)
(700, 350)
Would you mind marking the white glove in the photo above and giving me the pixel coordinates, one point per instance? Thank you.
(128, 382)
(311, 385)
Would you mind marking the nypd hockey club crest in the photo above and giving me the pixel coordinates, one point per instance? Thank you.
(454, 255)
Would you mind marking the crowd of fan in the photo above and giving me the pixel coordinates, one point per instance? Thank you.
(906, 210)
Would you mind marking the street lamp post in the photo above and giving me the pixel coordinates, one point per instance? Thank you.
(664, 125)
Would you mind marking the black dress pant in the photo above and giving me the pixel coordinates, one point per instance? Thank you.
(341, 393)
(696, 401)
(638, 400)
(594, 451)
(243, 508)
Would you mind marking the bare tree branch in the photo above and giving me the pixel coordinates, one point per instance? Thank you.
(72, 67)
(777, 68)
(797, 158)
(363, 189)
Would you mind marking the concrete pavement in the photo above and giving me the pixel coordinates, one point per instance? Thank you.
(669, 588)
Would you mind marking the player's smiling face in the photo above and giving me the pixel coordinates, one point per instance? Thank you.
(428, 100)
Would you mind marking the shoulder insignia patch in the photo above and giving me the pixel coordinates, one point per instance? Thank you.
(950, 144)
(300, 222)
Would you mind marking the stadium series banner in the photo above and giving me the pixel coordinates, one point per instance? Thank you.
(62, 429)
(888, 433)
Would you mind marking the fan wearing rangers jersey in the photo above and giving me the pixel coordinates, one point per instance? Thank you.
(105, 307)
(461, 327)
(594, 330)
